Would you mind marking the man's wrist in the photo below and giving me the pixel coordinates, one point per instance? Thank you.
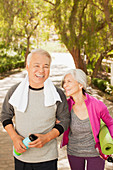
(59, 128)
(54, 133)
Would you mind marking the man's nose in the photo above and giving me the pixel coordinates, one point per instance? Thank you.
(41, 70)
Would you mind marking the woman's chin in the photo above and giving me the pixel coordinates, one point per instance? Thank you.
(67, 94)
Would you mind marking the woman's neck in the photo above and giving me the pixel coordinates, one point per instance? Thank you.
(79, 98)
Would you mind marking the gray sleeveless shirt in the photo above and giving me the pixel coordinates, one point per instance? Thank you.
(81, 140)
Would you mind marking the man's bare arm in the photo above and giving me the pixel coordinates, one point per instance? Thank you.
(17, 139)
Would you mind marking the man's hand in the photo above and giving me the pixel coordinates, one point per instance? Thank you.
(17, 139)
(39, 142)
(44, 138)
(18, 144)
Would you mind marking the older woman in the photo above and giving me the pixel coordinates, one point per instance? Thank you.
(86, 112)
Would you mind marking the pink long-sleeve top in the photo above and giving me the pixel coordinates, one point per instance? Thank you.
(96, 110)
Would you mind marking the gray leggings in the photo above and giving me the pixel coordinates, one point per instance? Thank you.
(93, 163)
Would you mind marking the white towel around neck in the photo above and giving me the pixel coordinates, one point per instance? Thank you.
(19, 98)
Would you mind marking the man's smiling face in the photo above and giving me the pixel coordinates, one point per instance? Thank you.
(38, 70)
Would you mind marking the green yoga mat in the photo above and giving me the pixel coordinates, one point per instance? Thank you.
(106, 141)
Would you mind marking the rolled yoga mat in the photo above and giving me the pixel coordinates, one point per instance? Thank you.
(106, 141)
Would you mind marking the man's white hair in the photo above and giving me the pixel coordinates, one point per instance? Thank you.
(38, 52)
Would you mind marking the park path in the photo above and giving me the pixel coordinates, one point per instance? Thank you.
(59, 66)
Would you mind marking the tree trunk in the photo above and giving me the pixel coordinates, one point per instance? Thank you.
(107, 15)
(97, 65)
(79, 63)
(27, 50)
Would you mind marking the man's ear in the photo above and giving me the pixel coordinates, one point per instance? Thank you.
(27, 67)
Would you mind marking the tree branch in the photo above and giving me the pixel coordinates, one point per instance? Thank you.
(49, 2)
(102, 25)
(107, 15)
(72, 20)
(33, 29)
(80, 20)
(96, 5)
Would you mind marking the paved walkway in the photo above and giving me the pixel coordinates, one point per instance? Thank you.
(6, 158)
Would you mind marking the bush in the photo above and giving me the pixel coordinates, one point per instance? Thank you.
(9, 66)
(20, 64)
(4, 67)
(11, 58)
(103, 85)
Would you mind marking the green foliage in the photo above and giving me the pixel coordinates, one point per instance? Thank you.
(19, 22)
(90, 71)
(110, 53)
(10, 59)
(10, 66)
(83, 25)
(80, 24)
(53, 46)
(103, 85)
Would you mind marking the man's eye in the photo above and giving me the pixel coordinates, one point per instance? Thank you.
(46, 66)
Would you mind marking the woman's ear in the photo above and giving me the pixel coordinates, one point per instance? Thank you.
(81, 86)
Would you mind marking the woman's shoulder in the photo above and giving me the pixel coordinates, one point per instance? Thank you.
(95, 101)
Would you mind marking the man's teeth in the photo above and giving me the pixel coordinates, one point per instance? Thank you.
(41, 76)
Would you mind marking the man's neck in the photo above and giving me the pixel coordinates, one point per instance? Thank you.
(32, 88)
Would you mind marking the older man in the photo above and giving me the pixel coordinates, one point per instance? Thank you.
(36, 103)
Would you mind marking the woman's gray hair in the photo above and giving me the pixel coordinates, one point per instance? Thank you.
(79, 75)
(38, 52)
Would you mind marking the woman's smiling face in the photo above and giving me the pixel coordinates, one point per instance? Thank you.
(70, 85)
